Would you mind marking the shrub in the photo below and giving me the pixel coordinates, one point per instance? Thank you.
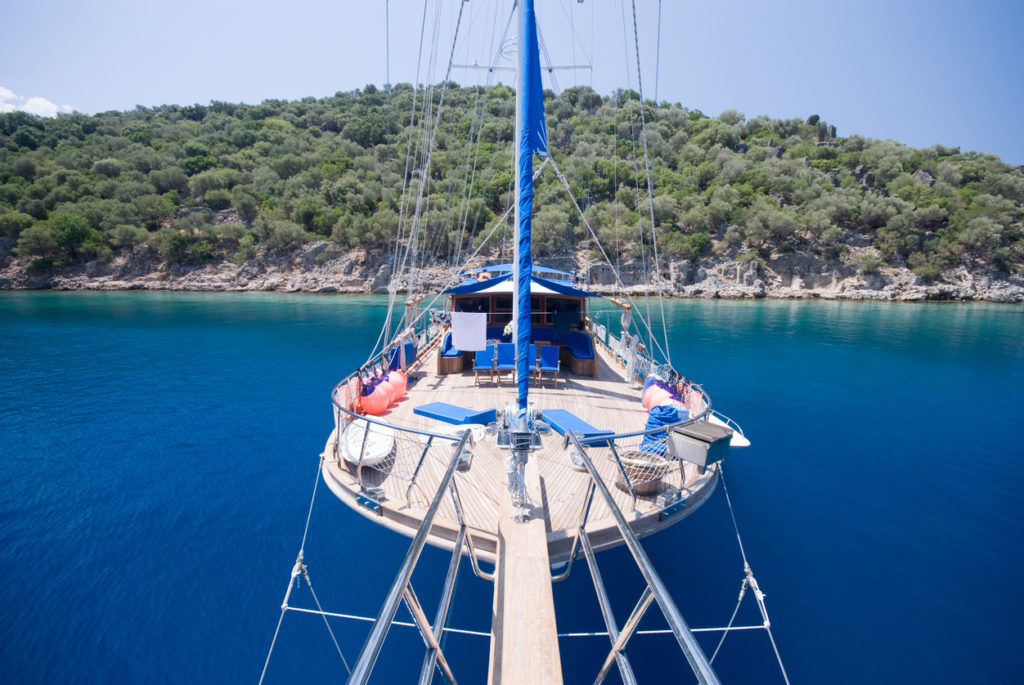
(870, 264)
(13, 223)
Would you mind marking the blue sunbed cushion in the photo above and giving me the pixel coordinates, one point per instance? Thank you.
(563, 421)
(450, 413)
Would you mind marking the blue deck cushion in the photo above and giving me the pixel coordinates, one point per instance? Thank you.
(506, 356)
(484, 359)
(410, 354)
(450, 413)
(447, 348)
(579, 344)
(563, 421)
(548, 358)
(531, 356)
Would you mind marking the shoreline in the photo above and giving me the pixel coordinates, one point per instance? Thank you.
(316, 269)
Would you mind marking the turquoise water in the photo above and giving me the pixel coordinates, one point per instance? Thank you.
(158, 452)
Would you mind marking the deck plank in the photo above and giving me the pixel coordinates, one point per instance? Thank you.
(605, 401)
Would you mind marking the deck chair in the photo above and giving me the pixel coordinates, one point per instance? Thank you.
(531, 357)
(484, 361)
(506, 360)
(548, 363)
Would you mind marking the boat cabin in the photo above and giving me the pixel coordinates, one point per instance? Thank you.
(558, 315)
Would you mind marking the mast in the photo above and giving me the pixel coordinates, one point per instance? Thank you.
(532, 134)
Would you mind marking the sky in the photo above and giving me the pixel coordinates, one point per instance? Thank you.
(914, 71)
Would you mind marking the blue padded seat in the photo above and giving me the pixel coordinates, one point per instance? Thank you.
(506, 359)
(563, 421)
(484, 361)
(396, 357)
(580, 345)
(450, 413)
(447, 348)
(548, 362)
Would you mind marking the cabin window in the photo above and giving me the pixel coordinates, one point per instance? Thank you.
(502, 312)
(472, 304)
(565, 313)
(538, 315)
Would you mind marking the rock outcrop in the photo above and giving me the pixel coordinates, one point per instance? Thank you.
(322, 267)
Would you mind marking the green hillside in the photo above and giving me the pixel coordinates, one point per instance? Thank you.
(232, 181)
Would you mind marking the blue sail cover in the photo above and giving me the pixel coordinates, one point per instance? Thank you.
(533, 139)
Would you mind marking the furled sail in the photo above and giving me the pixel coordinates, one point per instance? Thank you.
(533, 139)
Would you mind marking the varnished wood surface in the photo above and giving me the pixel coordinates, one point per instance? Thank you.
(605, 401)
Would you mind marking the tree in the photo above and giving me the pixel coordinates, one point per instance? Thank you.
(37, 241)
(13, 223)
(981, 237)
(70, 231)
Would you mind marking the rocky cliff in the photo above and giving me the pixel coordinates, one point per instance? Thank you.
(322, 268)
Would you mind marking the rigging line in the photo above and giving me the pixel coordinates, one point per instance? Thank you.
(551, 73)
(414, 231)
(636, 176)
(309, 514)
(736, 609)
(305, 573)
(597, 240)
(501, 222)
(650, 188)
(402, 624)
(496, 56)
(571, 16)
(296, 569)
(615, 271)
(657, 56)
(751, 580)
(398, 264)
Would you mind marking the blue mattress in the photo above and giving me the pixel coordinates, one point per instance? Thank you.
(563, 421)
(451, 413)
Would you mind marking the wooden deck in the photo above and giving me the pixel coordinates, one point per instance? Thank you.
(605, 401)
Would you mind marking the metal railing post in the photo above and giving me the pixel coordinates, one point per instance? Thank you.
(687, 642)
(375, 640)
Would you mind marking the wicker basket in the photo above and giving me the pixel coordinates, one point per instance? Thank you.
(645, 471)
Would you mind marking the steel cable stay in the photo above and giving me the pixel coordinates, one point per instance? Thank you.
(749, 581)
(607, 259)
(650, 186)
(435, 634)
(299, 569)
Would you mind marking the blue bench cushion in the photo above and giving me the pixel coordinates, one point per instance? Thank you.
(447, 348)
(579, 344)
(563, 421)
(450, 413)
(396, 356)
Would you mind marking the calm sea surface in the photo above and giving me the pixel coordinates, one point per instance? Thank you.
(158, 452)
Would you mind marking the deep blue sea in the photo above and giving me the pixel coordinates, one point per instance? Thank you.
(158, 452)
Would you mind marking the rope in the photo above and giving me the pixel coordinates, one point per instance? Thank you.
(650, 187)
(749, 579)
(305, 574)
(607, 259)
(483, 633)
(296, 569)
(414, 231)
(300, 569)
